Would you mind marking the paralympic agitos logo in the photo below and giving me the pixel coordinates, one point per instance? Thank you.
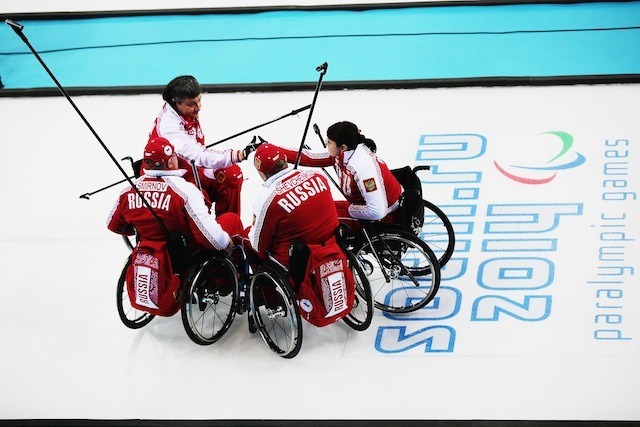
(546, 155)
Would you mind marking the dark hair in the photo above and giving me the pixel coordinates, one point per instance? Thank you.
(153, 165)
(372, 145)
(181, 88)
(347, 133)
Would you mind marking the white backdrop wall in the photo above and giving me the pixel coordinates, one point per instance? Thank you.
(537, 316)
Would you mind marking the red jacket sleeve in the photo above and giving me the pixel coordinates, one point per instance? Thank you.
(308, 157)
(116, 221)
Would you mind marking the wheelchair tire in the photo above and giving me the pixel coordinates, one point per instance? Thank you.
(210, 299)
(130, 316)
(404, 273)
(275, 311)
(362, 312)
(437, 232)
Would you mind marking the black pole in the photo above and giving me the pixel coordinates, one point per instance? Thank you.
(18, 30)
(316, 129)
(292, 113)
(87, 195)
(323, 70)
(133, 165)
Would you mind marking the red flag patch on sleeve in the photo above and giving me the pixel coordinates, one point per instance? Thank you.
(370, 185)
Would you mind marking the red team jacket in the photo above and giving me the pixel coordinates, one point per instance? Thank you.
(296, 204)
(188, 140)
(178, 203)
(366, 181)
(220, 177)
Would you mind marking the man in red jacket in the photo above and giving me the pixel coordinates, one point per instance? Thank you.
(178, 121)
(295, 205)
(179, 204)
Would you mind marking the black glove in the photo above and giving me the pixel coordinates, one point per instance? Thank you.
(251, 147)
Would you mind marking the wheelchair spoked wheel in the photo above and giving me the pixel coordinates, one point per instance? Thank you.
(362, 312)
(130, 316)
(403, 272)
(210, 299)
(275, 312)
(437, 232)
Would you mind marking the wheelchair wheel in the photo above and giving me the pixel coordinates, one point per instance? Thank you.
(210, 299)
(402, 270)
(362, 312)
(130, 316)
(437, 232)
(275, 312)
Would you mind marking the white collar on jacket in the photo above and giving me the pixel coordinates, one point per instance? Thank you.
(163, 172)
(347, 155)
(277, 176)
(169, 107)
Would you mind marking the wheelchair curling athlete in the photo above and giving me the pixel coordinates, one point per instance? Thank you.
(178, 121)
(294, 225)
(295, 205)
(370, 189)
(179, 204)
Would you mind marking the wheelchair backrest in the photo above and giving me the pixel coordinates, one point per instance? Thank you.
(408, 179)
(411, 206)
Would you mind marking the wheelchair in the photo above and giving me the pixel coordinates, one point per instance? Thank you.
(131, 317)
(209, 297)
(276, 313)
(403, 261)
(208, 309)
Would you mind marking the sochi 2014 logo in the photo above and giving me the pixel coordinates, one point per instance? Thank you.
(543, 157)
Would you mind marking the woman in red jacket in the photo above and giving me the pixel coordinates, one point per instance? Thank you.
(370, 189)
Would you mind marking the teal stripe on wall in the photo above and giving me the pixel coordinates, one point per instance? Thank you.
(539, 40)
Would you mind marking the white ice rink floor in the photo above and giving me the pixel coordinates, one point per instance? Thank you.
(66, 355)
